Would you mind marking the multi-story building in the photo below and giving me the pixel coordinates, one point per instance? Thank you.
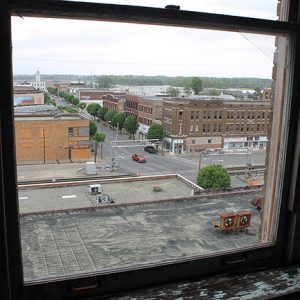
(26, 95)
(38, 84)
(149, 112)
(43, 135)
(113, 102)
(192, 125)
(131, 105)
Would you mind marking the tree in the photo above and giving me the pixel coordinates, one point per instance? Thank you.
(213, 177)
(98, 138)
(93, 109)
(93, 128)
(131, 125)
(196, 85)
(81, 105)
(104, 82)
(108, 117)
(188, 90)
(173, 92)
(118, 120)
(101, 113)
(155, 132)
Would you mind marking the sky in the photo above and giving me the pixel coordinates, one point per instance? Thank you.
(56, 46)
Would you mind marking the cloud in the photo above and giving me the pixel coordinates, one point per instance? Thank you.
(82, 47)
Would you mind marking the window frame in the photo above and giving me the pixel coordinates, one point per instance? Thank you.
(287, 246)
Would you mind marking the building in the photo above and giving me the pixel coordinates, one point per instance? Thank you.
(114, 102)
(149, 112)
(192, 125)
(38, 84)
(26, 95)
(43, 135)
(131, 105)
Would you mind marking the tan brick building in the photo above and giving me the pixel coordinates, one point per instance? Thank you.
(191, 125)
(49, 137)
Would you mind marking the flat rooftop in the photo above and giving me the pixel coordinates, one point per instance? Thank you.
(98, 238)
(125, 190)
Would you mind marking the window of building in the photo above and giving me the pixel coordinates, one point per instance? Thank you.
(208, 141)
(192, 115)
(197, 115)
(71, 132)
(79, 227)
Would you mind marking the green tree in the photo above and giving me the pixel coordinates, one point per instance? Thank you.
(173, 92)
(108, 117)
(131, 125)
(101, 113)
(155, 132)
(104, 82)
(81, 105)
(118, 120)
(98, 138)
(188, 90)
(93, 128)
(213, 177)
(93, 109)
(196, 85)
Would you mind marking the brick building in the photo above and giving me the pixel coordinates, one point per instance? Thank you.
(191, 125)
(149, 112)
(27, 95)
(49, 136)
(113, 102)
(131, 105)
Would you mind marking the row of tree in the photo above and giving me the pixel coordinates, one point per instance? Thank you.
(108, 81)
(114, 118)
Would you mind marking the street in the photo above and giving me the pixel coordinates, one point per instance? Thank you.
(186, 165)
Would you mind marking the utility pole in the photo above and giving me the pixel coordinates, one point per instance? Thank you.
(44, 142)
(200, 158)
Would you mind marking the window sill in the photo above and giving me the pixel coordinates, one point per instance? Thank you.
(281, 283)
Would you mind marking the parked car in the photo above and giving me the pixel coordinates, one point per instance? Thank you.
(150, 149)
(138, 157)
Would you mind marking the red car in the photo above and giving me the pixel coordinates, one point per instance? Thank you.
(139, 158)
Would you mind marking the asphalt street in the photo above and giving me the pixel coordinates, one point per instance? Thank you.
(186, 165)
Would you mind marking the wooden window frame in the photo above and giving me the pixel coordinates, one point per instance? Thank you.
(287, 248)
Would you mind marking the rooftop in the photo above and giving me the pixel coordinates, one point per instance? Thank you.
(39, 108)
(134, 231)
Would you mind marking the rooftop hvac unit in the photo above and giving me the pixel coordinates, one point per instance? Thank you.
(244, 218)
(90, 168)
(104, 199)
(95, 189)
(228, 220)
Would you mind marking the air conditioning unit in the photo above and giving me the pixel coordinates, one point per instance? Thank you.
(228, 220)
(95, 189)
(244, 218)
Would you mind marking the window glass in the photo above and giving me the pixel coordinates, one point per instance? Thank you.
(80, 221)
(256, 9)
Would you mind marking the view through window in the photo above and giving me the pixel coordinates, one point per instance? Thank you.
(143, 144)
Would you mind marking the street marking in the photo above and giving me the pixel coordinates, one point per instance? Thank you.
(69, 196)
(23, 198)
